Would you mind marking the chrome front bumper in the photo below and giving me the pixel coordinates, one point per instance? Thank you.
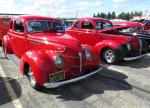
(57, 84)
(134, 58)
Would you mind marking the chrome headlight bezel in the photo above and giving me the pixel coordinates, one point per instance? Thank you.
(88, 55)
(129, 46)
(59, 61)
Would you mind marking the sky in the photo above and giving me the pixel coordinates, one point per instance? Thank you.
(72, 8)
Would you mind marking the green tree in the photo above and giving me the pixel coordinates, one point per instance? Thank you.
(103, 15)
(98, 15)
(108, 15)
(113, 15)
(94, 15)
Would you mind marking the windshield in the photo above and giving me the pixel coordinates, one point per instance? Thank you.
(103, 25)
(44, 26)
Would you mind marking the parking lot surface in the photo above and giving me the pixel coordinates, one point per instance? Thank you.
(125, 85)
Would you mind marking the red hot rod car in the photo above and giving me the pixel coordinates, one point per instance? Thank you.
(134, 29)
(145, 23)
(47, 56)
(111, 43)
(4, 26)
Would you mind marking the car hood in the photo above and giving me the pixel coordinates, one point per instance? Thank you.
(58, 38)
(113, 28)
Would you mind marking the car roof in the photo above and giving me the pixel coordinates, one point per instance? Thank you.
(33, 17)
(93, 19)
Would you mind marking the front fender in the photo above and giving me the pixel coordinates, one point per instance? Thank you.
(107, 44)
(95, 55)
(41, 63)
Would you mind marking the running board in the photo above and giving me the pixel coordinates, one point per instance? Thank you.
(14, 59)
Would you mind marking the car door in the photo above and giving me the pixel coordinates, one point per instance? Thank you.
(88, 33)
(75, 30)
(18, 38)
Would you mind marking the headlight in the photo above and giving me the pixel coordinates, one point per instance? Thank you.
(128, 44)
(88, 55)
(59, 61)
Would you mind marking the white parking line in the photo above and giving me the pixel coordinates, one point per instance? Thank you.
(10, 90)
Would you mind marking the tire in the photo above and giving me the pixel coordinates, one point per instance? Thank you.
(109, 56)
(32, 80)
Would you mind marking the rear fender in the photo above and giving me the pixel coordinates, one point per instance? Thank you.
(41, 63)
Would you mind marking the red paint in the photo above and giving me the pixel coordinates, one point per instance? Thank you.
(4, 26)
(39, 49)
(99, 38)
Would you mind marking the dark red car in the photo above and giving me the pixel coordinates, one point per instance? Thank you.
(4, 26)
(111, 43)
(145, 23)
(134, 29)
(46, 55)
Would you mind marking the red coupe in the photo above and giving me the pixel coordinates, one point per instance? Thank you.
(111, 42)
(46, 55)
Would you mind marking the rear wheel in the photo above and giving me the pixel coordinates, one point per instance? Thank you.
(32, 80)
(109, 56)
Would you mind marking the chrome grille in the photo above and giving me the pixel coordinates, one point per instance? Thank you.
(80, 55)
(75, 63)
(141, 45)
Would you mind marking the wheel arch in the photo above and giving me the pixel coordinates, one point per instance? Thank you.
(40, 63)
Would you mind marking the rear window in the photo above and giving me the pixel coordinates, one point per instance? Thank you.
(103, 25)
(5, 21)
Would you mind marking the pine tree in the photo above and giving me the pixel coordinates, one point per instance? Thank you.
(108, 15)
(113, 15)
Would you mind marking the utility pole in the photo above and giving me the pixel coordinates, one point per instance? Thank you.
(77, 12)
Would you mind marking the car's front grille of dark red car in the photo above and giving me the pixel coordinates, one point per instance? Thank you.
(135, 46)
(139, 47)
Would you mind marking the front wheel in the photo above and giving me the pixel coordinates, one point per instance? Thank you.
(109, 56)
(32, 81)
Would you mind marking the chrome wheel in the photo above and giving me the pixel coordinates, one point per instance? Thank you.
(109, 56)
(32, 80)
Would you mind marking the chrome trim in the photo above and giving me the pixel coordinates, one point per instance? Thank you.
(80, 55)
(134, 58)
(57, 84)
(140, 41)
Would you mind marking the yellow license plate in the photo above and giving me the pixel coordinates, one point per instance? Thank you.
(58, 76)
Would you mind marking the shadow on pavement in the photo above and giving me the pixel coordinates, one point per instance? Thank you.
(4, 92)
(95, 85)
(138, 64)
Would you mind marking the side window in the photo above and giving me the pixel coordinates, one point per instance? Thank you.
(87, 25)
(77, 25)
(18, 26)
(5, 21)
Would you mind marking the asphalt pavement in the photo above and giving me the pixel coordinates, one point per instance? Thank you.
(125, 85)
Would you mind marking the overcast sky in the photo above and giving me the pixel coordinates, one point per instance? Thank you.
(68, 8)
